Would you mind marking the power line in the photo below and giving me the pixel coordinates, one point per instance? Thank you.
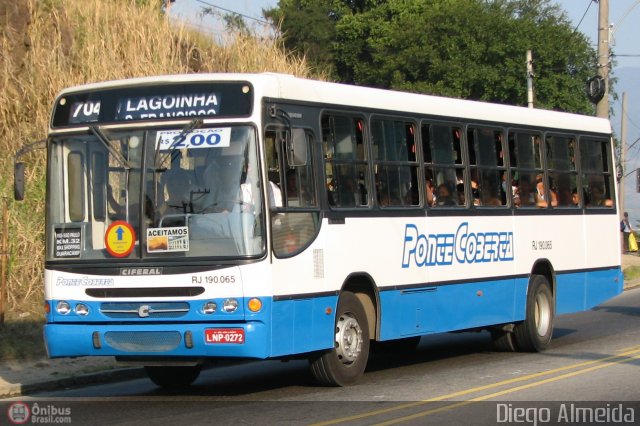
(234, 12)
(585, 14)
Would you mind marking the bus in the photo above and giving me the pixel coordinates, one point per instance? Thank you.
(198, 217)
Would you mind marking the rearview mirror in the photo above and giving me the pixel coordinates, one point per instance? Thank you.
(297, 148)
(18, 181)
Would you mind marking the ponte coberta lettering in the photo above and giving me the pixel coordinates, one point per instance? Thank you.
(463, 246)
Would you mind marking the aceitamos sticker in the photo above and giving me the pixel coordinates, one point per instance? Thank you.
(160, 240)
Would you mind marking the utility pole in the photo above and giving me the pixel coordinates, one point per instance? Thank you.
(529, 79)
(623, 153)
(602, 107)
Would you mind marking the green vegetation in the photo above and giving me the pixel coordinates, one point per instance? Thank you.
(471, 49)
(632, 273)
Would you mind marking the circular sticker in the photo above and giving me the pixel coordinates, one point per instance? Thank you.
(120, 239)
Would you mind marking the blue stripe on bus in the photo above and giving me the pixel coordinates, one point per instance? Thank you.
(307, 324)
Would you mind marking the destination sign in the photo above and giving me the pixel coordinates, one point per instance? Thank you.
(168, 106)
(156, 102)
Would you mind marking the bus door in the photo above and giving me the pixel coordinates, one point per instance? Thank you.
(297, 256)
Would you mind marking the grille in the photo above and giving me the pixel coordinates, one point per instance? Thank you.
(124, 310)
(143, 341)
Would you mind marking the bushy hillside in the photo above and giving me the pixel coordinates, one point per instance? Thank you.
(50, 44)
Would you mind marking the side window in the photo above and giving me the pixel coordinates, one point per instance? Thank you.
(394, 162)
(443, 168)
(345, 161)
(488, 172)
(597, 173)
(563, 176)
(526, 169)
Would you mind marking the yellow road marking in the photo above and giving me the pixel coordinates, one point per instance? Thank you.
(632, 350)
(507, 391)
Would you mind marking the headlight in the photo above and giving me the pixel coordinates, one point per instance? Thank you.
(230, 305)
(81, 309)
(63, 308)
(209, 307)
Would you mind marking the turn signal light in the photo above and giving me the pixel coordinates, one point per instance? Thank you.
(254, 304)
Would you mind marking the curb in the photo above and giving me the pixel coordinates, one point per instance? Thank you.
(109, 376)
(631, 284)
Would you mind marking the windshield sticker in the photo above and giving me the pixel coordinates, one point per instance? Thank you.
(161, 240)
(68, 242)
(119, 239)
(200, 138)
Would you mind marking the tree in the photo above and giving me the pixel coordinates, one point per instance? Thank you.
(472, 49)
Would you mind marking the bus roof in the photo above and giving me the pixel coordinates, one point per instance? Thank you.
(285, 86)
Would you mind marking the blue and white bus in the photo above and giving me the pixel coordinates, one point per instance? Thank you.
(263, 216)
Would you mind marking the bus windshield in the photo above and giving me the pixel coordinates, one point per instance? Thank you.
(173, 192)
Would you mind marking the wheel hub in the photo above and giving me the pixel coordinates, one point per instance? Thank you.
(348, 338)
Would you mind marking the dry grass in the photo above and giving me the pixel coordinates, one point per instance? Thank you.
(47, 45)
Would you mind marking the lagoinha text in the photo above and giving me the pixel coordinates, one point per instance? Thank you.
(463, 246)
(168, 106)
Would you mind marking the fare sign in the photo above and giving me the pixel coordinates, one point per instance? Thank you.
(224, 335)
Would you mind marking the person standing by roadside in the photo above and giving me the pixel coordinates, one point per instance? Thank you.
(625, 228)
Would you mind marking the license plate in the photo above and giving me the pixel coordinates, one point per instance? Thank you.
(224, 335)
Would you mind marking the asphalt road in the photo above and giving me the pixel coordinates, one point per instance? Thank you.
(592, 368)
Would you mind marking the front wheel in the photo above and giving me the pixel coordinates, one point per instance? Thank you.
(534, 333)
(345, 363)
(173, 377)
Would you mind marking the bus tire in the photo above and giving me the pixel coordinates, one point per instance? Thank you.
(345, 363)
(534, 333)
(173, 377)
(503, 341)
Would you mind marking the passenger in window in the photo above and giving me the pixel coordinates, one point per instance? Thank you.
(460, 192)
(351, 193)
(490, 194)
(565, 197)
(444, 196)
(575, 198)
(598, 199)
(526, 195)
(475, 192)
(541, 196)
(430, 193)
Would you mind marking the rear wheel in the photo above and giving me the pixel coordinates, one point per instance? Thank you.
(503, 341)
(534, 333)
(173, 377)
(345, 363)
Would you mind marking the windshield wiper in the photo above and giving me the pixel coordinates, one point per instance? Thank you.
(191, 126)
(97, 132)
